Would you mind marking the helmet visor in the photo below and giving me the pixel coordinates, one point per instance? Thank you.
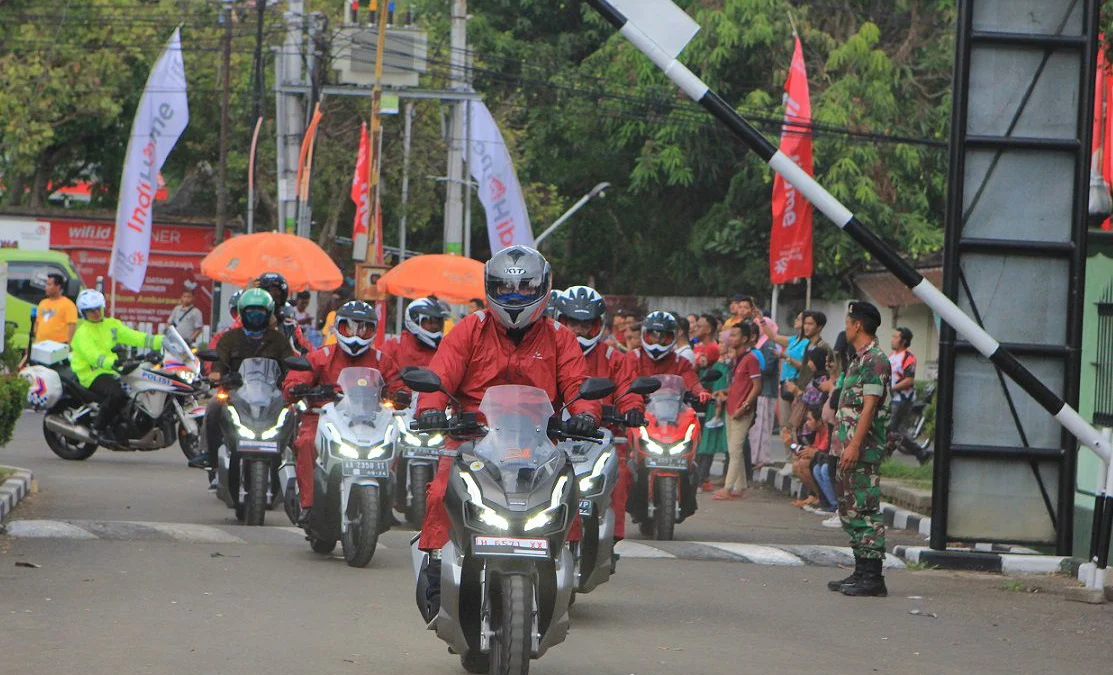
(358, 329)
(255, 318)
(517, 292)
(663, 338)
(432, 324)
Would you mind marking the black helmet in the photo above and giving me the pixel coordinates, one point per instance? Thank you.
(274, 280)
(421, 310)
(660, 329)
(518, 280)
(355, 326)
(583, 303)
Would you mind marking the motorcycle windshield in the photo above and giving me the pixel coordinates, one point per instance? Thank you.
(176, 351)
(517, 449)
(259, 397)
(664, 404)
(362, 389)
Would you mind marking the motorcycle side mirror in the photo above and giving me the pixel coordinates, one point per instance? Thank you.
(422, 380)
(595, 388)
(208, 355)
(645, 386)
(709, 376)
(296, 363)
(73, 287)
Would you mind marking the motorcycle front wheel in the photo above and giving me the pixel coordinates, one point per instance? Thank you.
(362, 535)
(189, 443)
(512, 643)
(258, 479)
(420, 477)
(665, 516)
(65, 448)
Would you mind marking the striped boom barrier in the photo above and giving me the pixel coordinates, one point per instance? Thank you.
(667, 20)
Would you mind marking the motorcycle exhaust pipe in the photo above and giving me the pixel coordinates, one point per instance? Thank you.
(73, 432)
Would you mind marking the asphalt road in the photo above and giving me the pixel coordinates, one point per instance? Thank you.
(260, 601)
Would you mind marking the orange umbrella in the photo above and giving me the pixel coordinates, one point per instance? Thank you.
(451, 278)
(242, 259)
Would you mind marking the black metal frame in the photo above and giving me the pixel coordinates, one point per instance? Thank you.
(1062, 513)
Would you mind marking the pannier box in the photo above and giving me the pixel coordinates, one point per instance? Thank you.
(49, 352)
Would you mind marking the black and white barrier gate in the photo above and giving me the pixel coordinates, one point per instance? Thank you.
(661, 30)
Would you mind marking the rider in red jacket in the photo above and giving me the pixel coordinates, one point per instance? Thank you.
(657, 356)
(584, 312)
(424, 330)
(509, 343)
(355, 331)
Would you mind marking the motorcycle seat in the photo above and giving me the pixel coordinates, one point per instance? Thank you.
(70, 381)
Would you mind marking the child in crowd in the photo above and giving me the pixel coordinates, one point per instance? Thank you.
(713, 441)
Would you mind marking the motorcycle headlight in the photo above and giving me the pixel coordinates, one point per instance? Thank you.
(682, 447)
(589, 483)
(486, 514)
(415, 441)
(345, 450)
(549, 514)
(649, 444)
(268, 434)
(187, 376)
(240, 428)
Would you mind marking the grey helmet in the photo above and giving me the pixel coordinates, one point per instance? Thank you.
(233, 303)
(583, 303)
(517, 280)
(551, 305)
(660, 328)
(418, 311)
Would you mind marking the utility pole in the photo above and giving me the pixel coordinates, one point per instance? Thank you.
(374, 242)
(454, 204)
(259, 75)
(406, 139)
(291, 116)
(222, 165)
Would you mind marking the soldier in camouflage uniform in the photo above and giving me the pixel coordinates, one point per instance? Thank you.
(862, 427)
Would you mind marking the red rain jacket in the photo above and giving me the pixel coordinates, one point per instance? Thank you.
(407, 350)
(606, 361)
(329, 360)
(671, 364)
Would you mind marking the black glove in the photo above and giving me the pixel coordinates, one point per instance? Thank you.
(402, 399)
(431, 419)
(153, 357)
(581, 425)
(635, 418)
(300, 390)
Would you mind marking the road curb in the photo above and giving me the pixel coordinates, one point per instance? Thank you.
(895, 517)
(15, 489)
(983, 560)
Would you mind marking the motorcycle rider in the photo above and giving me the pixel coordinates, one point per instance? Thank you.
(507, 343)
(93, 360)
(424, 331)
(582, 310)
(275, 284)
(254, 338)
(657, 356)
(355, 326)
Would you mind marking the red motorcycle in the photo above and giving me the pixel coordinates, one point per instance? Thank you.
(665, 460)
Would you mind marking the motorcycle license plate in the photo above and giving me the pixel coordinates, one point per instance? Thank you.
(512, 547)
(422, 453)
(666, 462)
(585, 507)
(372, 468)
(258, 446)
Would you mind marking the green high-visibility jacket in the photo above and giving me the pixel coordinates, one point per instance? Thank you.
(91, 349)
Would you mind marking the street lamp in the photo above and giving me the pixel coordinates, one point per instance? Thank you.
(599, 190)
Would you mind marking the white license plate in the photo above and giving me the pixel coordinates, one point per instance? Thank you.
(421, 453)
(510, 547)
(666, 462)
(585, 507)
(372, 468)
(258, 446)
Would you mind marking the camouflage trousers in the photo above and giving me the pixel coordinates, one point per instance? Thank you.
(859, 493)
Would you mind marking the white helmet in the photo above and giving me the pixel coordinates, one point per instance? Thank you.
(89, 299)
(418, 311)
(583, 303)
(355, 326)
(518, 280)
(660, 329)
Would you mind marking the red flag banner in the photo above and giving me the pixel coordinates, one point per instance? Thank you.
(360, 195)
(1103, 122)
(790, 242)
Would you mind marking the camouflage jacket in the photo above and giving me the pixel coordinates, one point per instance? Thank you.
(867, 374)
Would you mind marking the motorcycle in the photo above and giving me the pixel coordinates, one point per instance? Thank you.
(666, 448)
(417, 465)
(353, 473)
(162, 405)
(257, 426)
(506, 575)
(596, 466)
(911, 438)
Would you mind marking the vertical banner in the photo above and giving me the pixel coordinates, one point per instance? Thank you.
(490, 165)
(161, 118)
(1102, 138)
(790, 242)
(360, 181)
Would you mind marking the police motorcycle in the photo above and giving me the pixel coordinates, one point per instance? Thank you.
(596, 465)
(418, 455)
(506, 575)
(354, 470)
(257, 426)
(162, 403)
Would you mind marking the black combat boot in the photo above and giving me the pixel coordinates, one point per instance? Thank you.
(870, 584)
(838, 585)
